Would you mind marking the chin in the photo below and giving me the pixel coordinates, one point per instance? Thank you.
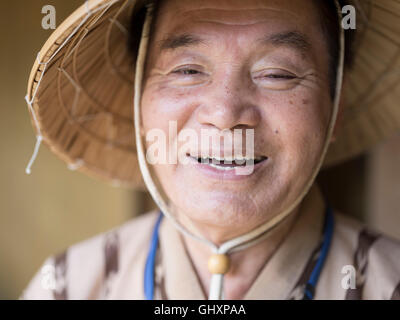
(219, 209)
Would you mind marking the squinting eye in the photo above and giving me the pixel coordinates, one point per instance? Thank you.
(188, 75)
(275, 79)
(186, 71)
(280, 76)
(275, 74)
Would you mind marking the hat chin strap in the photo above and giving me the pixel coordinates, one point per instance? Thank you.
(255, 235)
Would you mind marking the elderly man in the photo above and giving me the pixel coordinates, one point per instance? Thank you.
(272, 69)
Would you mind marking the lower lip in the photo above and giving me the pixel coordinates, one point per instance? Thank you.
(232, 174)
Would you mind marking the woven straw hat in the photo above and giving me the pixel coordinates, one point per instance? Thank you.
(80, 91)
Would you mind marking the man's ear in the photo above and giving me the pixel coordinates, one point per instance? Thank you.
(339, 118)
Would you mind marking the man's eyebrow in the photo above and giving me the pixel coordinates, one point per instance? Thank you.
(292, 39)
(180, 40)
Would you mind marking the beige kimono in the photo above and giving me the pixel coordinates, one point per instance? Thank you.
(361, 264)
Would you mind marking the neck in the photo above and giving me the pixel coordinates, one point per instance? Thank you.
(245, 265)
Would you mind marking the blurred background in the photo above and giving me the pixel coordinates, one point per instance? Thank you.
(47, 211)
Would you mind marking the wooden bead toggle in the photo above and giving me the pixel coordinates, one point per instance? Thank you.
(218, 264)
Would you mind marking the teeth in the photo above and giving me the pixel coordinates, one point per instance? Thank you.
(221, 163)
(237, 158)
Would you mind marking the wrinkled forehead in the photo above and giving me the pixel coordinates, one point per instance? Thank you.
(227, 23)
(176, 16)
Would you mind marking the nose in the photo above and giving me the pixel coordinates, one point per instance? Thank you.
(228, 105)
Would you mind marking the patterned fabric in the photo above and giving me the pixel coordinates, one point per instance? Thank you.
(60, 270)
(111, 249)
(361, 264)
(365, 241)
(299, 289)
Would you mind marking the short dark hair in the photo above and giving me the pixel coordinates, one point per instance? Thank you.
(329, 24)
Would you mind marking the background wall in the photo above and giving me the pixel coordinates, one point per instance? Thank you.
(53, 207)
(383, 188)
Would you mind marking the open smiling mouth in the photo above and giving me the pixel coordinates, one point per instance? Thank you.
(226, 163)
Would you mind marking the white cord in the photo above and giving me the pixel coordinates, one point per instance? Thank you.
(256, 235)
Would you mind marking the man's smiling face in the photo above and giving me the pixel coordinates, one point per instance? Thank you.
(261, 65)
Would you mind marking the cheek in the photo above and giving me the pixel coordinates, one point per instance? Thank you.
(302, 123)
(160, 106)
